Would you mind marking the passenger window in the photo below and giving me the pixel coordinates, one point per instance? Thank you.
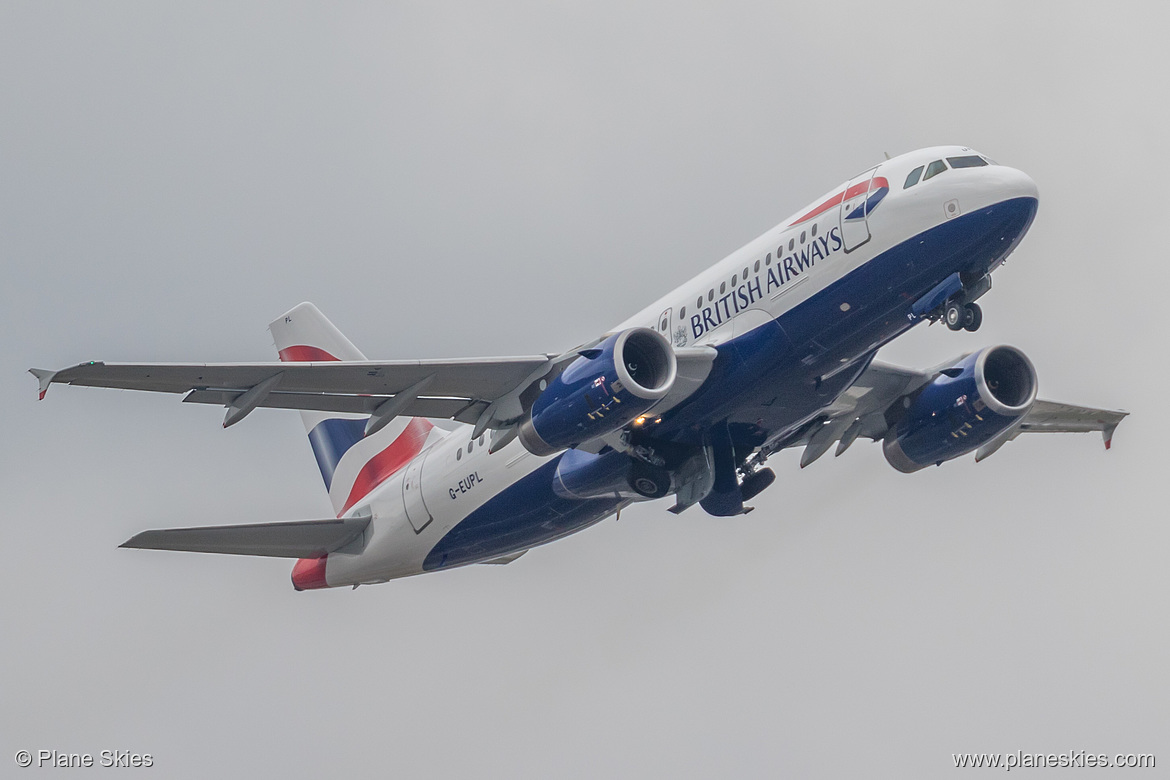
(699, 302)
(970, 161)
(734, 279)
(791, 244)
(722, 287)
(745, 271)
(913, 178)
(814, 231)
(711, 295)
(459, 454)
(682, 312)
(934, 169)
(758, 264)
(470, 446)
(481, 438)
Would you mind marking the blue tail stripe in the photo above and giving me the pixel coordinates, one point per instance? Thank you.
(331, 439)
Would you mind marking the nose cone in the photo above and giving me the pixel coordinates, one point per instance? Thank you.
(1011, 183)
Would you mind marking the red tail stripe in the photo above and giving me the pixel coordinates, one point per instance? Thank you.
(389, 461)
(309, 573)
(301, 353)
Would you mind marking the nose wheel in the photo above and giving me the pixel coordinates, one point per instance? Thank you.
(960, 316)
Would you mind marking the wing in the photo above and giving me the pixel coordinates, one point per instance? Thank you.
(861, 412)
(300, 539)
(457, 389)
(487, 392)
(1053, 417)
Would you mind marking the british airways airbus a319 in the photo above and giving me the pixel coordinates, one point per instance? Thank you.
(433, 464)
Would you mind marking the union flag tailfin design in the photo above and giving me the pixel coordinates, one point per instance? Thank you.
(352, 464)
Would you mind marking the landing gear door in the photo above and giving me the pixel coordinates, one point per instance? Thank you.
(412, 496)
(854, 220)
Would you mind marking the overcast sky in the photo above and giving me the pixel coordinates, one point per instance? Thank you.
(453, 180)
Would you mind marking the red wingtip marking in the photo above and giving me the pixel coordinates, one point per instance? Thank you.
(1108, 443)
(41, 397)
(309, 573)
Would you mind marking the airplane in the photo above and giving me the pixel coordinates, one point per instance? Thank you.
(437, 464)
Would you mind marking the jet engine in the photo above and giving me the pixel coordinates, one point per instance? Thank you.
(582, 475)
(967, 405)
(600, 392)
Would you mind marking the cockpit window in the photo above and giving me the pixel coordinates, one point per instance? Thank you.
(970, 161)
(934, 169)
(913, 178)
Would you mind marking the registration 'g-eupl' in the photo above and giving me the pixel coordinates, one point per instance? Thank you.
(433, 464)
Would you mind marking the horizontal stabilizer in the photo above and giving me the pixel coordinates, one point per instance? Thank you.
(298, 539)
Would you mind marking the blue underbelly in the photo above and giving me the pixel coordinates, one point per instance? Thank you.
(522, 515)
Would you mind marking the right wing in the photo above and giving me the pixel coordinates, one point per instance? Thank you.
(1053, 417)
(860, 412)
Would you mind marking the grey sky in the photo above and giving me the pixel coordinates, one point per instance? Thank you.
(471, 181)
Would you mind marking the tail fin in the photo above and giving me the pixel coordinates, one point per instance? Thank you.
(352, 464)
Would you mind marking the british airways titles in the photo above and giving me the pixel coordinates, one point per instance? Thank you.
(769, 279)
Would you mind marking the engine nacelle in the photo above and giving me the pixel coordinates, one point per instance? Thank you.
(601, 392)
(612, 474)
(971, 403)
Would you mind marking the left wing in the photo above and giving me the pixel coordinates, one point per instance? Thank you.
(860, 411)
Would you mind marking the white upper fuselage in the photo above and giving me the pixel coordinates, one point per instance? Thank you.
(903, 213)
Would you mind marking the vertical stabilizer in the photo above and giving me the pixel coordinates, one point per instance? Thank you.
(303, 333)
(352, 464)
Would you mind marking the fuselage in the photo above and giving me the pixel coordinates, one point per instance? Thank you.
(795, 316)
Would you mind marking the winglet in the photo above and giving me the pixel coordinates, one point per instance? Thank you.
(1107, 434)
(45, 378)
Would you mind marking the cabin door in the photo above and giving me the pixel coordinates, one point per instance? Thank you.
(854, 220)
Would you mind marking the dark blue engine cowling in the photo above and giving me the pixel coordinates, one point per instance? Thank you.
(966, 406)
(585, 475)
(610, 474)
(601, 392)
